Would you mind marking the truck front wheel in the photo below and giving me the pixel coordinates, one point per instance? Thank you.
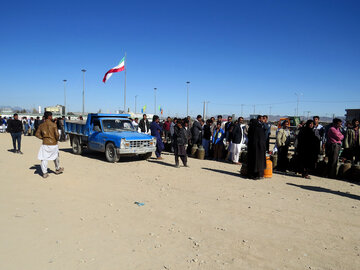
(111, 154)
(76, 146)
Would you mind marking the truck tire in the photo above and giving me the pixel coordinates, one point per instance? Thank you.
(76, 146)
(146, 156)
(111, 154)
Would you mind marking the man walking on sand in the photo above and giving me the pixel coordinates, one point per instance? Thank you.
(15, 128)
(49, 150)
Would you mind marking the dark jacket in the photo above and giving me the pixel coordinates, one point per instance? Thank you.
(196, 132)
(142, 124)
(228, 130)
(207, 132)
(14, 126)
(237, 134)
(36, 124)
(308, 147)
(256, 149)
(180, 137)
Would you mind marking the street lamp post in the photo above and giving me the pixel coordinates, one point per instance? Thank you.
(83, 93)
(65, 97)
(187, 98)
(155, 100)
(207, 110)
(135, 102)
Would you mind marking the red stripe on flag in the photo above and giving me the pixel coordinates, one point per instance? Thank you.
(113, 70)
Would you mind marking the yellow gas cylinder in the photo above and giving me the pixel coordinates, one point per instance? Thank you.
(268, 169)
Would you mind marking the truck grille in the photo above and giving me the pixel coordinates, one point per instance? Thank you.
(136, 144)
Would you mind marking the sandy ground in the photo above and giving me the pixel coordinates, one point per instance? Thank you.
(202, 217)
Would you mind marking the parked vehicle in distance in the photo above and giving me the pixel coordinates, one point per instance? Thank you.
(112, 134)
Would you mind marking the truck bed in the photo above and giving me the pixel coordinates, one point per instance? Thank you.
(77, 127)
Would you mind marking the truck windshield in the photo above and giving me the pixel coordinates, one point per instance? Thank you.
(113, 125)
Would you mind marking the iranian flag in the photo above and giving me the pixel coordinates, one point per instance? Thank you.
(118, 68)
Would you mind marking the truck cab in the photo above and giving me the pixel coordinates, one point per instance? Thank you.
(112, 134)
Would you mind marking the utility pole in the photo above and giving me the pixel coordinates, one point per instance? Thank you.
(297, 102)
(207, 109)
(242, 106)
(125, 84)
(83, 93)
(254, 108)
(135, 102)
(270, 110)
(187, 98)
(155, 100)
(65, 97)
(204, 110)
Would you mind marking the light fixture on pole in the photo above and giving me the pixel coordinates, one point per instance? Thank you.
(187, 98)
(135, 102)
(155, 100)
(83, 93)
(65, 97)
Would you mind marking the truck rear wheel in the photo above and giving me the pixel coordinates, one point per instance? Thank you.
(111, 154)
(146, 156)
(76, 146)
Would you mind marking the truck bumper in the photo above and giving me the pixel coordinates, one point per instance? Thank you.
(136, 151)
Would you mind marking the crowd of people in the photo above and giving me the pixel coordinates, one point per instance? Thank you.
(313, 140)
(223, 140)
(27, 127)
(226, 140)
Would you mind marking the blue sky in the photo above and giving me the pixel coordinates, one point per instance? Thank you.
(232, 52)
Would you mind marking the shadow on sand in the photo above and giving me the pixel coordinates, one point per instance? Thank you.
(101, 156)
(326, 190)
(155, 161)
(37, 169)
(225, 172)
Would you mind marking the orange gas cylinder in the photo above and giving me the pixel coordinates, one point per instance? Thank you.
(268, 169)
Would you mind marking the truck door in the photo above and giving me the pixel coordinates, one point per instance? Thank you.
(96, 136)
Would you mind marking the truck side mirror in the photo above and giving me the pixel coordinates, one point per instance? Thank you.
(97, 129)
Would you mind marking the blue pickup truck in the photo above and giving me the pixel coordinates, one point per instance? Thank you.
(112, 134)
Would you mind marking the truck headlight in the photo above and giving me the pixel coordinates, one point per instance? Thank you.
(122, 143)
(153, 142)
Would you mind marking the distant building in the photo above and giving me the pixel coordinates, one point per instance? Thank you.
(58, 109)
(6, 111)
(352, 114)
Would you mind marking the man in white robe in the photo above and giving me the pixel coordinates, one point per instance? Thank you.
(238, 140)
(49, 150)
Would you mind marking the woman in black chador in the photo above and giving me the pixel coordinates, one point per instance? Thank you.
(180, 140)
(256, 150)
(308, 148)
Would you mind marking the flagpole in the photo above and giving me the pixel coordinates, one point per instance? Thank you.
(125, 84)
